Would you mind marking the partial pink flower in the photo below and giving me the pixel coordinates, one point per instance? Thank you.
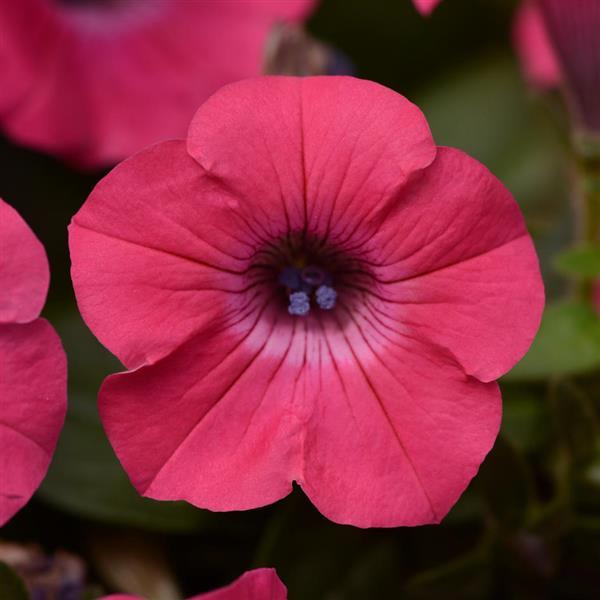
(426, 7)
(306, 290)
(96, 81)
(535, 51)
(573, 27)
(259, 584)
(33, 370)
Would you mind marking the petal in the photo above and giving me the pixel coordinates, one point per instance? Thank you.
(259, 584)
(538, 59)
(399, 430)
(22, 44)
(317, 152)
(156, 250)
(24, 274)
(426, 7)
(213, 423)
(468, 279)
(33, 379)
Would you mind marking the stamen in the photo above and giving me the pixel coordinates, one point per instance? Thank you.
(305, 282)
(299, 304)
(326, 297)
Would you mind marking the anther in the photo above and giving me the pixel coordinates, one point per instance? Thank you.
(326, 297)
(299, 304)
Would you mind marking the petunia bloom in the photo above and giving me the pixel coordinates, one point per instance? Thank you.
(534, 49)
(258, 584)
(426, 7)
(309, 290)
(33, 371)
(95, 81)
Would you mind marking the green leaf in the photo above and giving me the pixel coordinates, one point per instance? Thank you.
(11, 585)
(582, 261)
(86, 479)
(567, 343)
(480, 108)
(484, 109)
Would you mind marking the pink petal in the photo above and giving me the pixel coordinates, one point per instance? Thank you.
(145, 285)
(468, 280)
(19, 68)
(535, 51)
(322, 152)
(238, 444)
(398, 431)
(79, 78)
(33, 377)
(24, 274)
(128, 278)
(426, 7)
(258, 584)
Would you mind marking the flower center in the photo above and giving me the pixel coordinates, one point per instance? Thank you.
(309, 275)
(308, 285)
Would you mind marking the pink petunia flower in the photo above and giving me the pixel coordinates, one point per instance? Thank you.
(426, 7)
(306, 290)
(96, 81)
(258, 584)
(534, 49)
(33, 370)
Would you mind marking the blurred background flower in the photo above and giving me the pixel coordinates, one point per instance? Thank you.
(426, 6)
(538, 58)
(95, 81)
(60, 576)
(573, 29)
